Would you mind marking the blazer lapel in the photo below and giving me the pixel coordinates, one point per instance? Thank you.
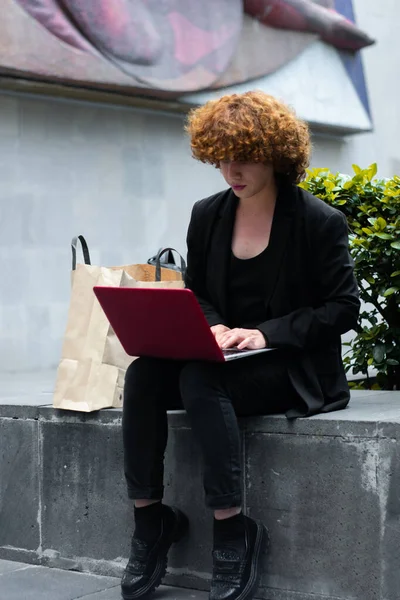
(220, 250)
(279, 238)
(218, 261)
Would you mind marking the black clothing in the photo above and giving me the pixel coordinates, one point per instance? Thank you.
(246, 306)
(212, 394)
(148, 520)
(236, 574)
(147, 563)
(310, 293)
(302, 298)
(230, 533)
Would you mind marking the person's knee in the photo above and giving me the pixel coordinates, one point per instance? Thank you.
(138, 377)
(137, 369)
(197, 381)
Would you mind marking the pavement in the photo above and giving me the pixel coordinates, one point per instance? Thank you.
(19, 581)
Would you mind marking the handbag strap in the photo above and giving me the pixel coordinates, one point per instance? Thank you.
(170, 259)
(85, 250)
(167, 259)
(160, 253)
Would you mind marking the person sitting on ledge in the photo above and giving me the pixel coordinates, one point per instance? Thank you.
(270, 266)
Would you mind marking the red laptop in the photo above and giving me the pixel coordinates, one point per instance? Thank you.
(163, 323)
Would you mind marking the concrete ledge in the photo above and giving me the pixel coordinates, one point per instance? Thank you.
(327, 487)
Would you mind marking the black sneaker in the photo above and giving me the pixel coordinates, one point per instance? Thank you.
(237, 577)
(148, 563)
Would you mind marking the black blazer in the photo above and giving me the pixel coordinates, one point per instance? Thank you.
(311, 295)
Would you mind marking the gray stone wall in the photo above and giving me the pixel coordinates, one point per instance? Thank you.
(327, 488)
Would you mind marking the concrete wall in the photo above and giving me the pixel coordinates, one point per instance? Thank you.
(382, 66)
(126, 180)
(326, 487)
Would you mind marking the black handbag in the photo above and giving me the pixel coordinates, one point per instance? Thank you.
(165, 258)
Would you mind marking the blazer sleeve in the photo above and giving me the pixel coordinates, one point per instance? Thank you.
(309, 327)
(195, 270)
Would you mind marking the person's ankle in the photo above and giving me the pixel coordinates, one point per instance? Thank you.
(148, 521)
(143, 503)
(227, 513)
(231, 533)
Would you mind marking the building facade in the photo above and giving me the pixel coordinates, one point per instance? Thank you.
(123, 177)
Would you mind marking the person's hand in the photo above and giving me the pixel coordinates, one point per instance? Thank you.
(252, 339)
(219, 331)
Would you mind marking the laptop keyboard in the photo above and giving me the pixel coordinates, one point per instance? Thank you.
(228, 351)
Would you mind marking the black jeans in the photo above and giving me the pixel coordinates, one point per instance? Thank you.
(213, 395)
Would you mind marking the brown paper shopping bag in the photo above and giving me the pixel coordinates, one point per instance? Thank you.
(91, 372)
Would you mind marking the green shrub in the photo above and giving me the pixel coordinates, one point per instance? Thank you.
(372, 208)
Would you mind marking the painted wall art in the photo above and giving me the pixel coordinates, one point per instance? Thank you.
(172, 48)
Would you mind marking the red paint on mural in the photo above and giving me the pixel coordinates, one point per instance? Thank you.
(187, 45)
(303, 15)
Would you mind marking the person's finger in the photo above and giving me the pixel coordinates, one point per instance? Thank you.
(233, 340)
(228, 334)
(219, 341)
(222, 338)
(246, 343)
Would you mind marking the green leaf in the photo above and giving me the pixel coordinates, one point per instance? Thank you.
(372, 171)
(381, 223)
(353, 385)
(390, 291)
(395, 245)
(384, 236)
(348, 185)
(378, 353)
(357, 170)
(329, 185)
(395, 274)
(367, 230)
(318, 171)
(392, 362)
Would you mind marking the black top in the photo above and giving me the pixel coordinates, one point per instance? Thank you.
(310, 291)
(246, 290)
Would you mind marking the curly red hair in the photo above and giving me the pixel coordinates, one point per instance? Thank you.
(250, 127)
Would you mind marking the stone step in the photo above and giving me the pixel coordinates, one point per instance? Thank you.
(19, 581)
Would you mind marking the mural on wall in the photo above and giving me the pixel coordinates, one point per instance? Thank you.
(170, 48)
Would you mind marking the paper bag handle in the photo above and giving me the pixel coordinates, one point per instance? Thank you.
(85, 250)
(159, 254)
